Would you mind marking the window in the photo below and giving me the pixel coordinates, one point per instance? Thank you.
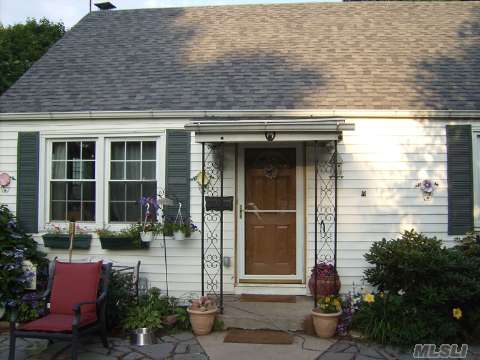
(72, 181)
(132, 175)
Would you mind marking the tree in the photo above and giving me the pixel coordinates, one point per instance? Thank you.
(23, 44)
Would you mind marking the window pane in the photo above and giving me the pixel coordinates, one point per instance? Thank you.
(88, 150)
(118, 151)
(133, 212)
(148, 170)
(73, 211)
(73, 169)
(133, 170)
(88, 191)
(58, 170)
(73, 150)
(133, 150)
(148, 150)
(74, 191)
(117, 191)
(59, 151)
(117, 170)
(134, 191)
(88, 170)
(58, 190)
(88, 210)
(117, 211)
(149, 189)
(57, 211)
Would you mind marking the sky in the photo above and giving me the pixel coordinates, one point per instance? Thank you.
(71, 11)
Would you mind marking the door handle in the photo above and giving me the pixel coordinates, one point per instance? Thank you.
(240, 211)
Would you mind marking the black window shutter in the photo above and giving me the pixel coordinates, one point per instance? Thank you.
(27, 180)
(460, 179)
(177, 179)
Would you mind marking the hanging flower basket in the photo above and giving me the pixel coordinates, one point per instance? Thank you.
(328, 281)
(179, 235)
(147, 236)
(62, 241)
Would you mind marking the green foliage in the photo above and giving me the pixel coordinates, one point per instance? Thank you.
(330, 304)
(121, 296)
(183, 320)
(142, 316)
(132, 231)
(23, 44)
(218, 325)
(423, 282)
(187, 227)
(28, 311)
(152, 310)
(15, 247)
(469, 245)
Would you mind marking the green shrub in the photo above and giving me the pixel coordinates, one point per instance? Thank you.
(17, 246)
(152, 310)
(121, 296)
(422, 282)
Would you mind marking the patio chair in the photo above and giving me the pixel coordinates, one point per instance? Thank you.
(77, 306)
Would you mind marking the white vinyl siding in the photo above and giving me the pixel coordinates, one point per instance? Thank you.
(385, 157)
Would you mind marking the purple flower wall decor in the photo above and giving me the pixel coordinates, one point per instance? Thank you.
(427, 186)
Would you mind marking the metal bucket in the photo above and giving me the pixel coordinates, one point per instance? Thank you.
(142, 337)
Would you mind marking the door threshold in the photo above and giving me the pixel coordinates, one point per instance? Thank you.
(270, 281)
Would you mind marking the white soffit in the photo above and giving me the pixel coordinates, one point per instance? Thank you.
(238, 131)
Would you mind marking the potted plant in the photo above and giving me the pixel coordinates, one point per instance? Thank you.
(151, 228)
(202, 315)
(327, 280)
(180, 230)
(57, 237)
(127, 239)
(326, 315)
(141, 321)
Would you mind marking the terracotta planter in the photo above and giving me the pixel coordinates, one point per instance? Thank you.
(325, 324)
(202, 321)
(326, 285)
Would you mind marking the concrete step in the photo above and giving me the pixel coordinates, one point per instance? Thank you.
(265, 315)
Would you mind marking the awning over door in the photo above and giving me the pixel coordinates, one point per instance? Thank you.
(236, 131)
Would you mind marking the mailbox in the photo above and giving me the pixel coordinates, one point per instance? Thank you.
(218, 203)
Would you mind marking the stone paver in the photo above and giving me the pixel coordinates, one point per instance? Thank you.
(183, 346)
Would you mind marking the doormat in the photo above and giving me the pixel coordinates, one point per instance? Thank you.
(268, 298)
(258, 337)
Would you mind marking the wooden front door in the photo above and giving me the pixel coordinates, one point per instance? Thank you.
(270, 211)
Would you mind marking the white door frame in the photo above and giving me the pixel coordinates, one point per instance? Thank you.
(299, 213)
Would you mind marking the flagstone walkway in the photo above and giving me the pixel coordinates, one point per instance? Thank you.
(181, 346)
(184, 346)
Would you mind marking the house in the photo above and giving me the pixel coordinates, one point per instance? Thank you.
(368, 110)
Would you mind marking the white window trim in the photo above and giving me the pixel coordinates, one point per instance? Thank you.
(101, 164)
(49, 179)
(159, 172)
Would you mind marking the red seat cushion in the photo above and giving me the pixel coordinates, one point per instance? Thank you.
(74, 283)
(57, 322)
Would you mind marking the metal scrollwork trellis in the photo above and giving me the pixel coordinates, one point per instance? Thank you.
(213, 155)
(326, 182)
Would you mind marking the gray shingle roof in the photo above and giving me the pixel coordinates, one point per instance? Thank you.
(367, 55)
